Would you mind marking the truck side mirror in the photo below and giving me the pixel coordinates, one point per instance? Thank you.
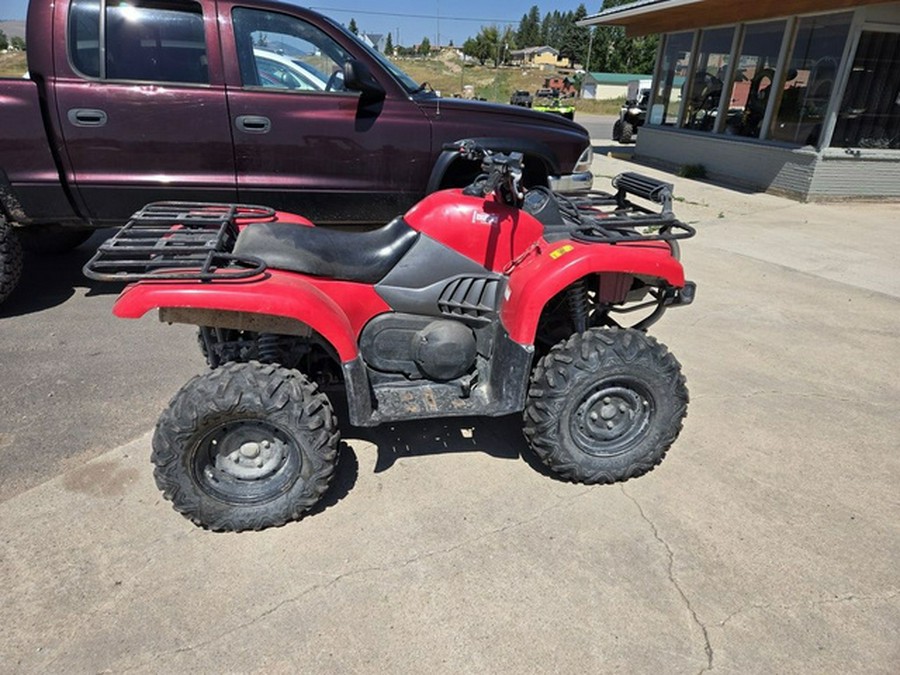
(358, 77)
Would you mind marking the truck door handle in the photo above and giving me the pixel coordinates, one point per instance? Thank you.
(87, 117)
(253, 124)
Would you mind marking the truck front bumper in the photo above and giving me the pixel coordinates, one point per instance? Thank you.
(581, 181)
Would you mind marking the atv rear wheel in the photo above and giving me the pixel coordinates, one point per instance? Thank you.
(605, 405)
(627, 133)
(245, 447)
(10, 259)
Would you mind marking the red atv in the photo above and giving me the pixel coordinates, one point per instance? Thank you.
(489, 300)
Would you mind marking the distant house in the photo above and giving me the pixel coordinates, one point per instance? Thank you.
(605, 86)
(538, 56)
(796, 97)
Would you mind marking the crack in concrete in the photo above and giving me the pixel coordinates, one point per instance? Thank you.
(837, 600)
(670, 571)
(351, 573)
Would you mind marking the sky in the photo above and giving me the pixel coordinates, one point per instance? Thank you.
(438, 20)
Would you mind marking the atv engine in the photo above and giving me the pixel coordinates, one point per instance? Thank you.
(418, 346)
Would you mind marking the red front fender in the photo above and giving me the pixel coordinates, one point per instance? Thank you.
(555, 266)
(337, 310)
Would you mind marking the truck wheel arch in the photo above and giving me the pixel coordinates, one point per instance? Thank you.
(450, 169)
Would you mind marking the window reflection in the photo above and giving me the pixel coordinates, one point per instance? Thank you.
(870, 112)
(707, 82)
(810, 77)
(754, 75)
(673, 69)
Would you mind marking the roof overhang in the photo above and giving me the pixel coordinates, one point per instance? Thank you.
(645, 17)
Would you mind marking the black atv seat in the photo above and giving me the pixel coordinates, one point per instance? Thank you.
(365, 257)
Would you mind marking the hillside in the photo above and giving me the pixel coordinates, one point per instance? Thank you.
(13, 28)
(448, 75)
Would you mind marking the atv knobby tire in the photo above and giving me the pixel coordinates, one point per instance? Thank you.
(627, 133)
(245, 447)
(605, 405)
(10, 259)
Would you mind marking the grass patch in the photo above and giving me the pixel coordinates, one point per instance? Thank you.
(697, 171)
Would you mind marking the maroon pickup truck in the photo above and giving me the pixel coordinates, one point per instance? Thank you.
(260, 102)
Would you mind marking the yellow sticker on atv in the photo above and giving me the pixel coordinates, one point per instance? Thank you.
(561, 251)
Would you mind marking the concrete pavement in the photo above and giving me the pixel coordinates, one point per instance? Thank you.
(767, 540)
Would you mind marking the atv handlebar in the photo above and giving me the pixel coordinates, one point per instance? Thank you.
(502, 173)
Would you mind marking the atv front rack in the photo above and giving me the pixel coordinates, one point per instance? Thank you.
(179, 241)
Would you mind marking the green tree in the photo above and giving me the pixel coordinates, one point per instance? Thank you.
(529, 32)
(352, 27)
(425, 47)
(576, 38)
(4, 42)
(17, 43)
(389, 45)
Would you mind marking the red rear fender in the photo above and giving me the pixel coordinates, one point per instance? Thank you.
(557, 265)
(336, 310)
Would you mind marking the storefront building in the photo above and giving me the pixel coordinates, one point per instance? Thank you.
(797, 97)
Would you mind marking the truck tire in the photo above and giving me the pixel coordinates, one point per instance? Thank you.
(10, 259)
(627, 134)
(245, 447)
(52, 239)
(605, 405)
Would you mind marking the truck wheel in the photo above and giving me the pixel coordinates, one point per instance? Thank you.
(627, 135)
(605, 405)
(52, 239)
(10, 259)
(617, 130)
(245, 447)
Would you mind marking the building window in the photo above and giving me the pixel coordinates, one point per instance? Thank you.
(809, 81)
(676, 58)
(753, 78)
(869, 116)
(708, 81)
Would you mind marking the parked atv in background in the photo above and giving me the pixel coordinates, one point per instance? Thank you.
(631, 116)
(549, 101)
(488, 300)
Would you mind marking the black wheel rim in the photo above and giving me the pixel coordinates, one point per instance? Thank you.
(612, 417)
(246, 462)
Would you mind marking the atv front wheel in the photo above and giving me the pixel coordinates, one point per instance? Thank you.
(627, 133)
(245, 447)
(617, 130)
(605, 405)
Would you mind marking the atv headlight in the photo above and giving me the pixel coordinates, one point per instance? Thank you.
(584, 162)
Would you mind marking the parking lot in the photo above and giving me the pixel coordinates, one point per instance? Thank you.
(767, 541)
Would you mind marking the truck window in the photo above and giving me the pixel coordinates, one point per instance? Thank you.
(277, 51)
(146, 40)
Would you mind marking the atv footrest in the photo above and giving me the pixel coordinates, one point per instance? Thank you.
(178, 241)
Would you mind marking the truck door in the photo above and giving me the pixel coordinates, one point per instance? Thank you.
(303, 142)
(141, 104)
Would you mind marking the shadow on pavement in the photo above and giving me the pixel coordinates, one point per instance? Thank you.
(48, 280)
(499, 437)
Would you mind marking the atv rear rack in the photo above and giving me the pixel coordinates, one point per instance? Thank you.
(179, 241)
(602, 217)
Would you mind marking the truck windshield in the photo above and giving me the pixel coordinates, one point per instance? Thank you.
(411, 86)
